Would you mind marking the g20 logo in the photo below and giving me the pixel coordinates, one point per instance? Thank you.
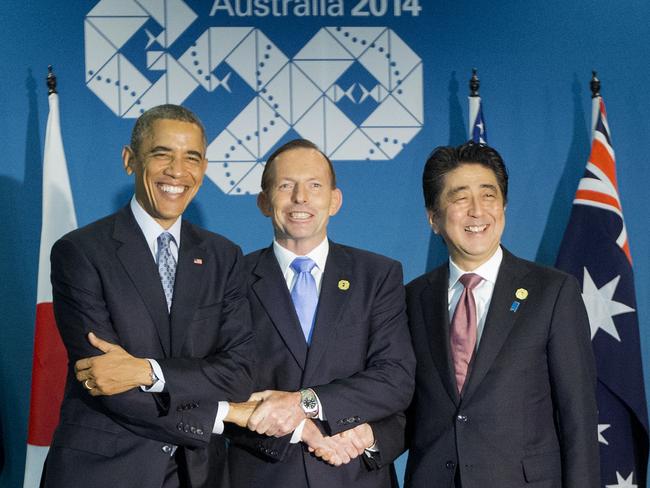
(313, 93)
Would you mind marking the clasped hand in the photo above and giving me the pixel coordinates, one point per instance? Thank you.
(113, 372)
(278, 413)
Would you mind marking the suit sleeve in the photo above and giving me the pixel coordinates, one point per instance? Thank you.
(80, 308)
(274, 448)
(227, 374)
(386, 384)
(390, 440)
(573, 379)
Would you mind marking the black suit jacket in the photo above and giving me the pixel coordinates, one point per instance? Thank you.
(360, 364)
(528, 413)
(105, 280)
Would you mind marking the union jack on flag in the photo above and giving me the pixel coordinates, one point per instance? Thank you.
(596, 250)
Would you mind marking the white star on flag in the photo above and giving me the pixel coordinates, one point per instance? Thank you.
(602, 428)
(600, 306)
(623, 483)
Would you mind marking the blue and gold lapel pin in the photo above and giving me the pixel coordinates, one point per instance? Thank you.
(520, 294)
(344, 285)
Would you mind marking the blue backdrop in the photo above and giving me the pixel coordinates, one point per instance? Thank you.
(534, 59)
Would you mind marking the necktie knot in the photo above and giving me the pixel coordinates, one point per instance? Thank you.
(302, 265)
(470, 280)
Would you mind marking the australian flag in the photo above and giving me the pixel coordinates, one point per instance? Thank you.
(595, 249)
(477, 129)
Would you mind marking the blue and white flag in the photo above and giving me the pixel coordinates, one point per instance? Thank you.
(595, 249)
(477, 129)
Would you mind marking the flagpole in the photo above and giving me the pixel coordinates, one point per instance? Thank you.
(50, 80)
(476, 127)
(474, 100)
(594, 84)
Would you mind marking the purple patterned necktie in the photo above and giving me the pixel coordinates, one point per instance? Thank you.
(304, 294)
(463, 328)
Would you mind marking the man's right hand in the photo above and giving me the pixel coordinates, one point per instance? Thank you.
(338, 449)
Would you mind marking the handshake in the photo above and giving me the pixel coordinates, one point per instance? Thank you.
(269, 412)
(278, 413)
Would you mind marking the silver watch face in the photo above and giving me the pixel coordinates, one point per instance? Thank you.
(308, 401)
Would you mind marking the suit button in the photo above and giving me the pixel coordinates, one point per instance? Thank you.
(274, 453)
(166, 449)
(462, 418)
(199, 431)
(357, 418)
(450, 465)
(179, 426)
(186, 428)
(193, 430)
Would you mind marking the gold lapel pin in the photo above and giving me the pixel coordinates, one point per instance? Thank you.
(521, 293)
(344, 285)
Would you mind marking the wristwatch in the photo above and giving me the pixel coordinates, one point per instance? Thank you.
(309, 403)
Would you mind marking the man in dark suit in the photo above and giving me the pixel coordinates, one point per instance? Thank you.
(333, 357)
(505, 376)
(145, 281)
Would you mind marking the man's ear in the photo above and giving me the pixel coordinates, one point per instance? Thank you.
(264, 203)
(128, 160)
(337, 201)
(431, 216)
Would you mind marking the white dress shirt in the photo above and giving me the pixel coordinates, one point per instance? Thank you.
(483, 291)
(151, 230)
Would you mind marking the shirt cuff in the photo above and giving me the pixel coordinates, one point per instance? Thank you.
(321, 414)
(222, 412)
(159, 384)
(296, 437)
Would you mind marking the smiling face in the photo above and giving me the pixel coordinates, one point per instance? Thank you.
(168, 168)
(470, 215)
(300, 199)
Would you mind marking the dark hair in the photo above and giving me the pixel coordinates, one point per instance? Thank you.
(144, 124)
(293, 144)
(445, 159)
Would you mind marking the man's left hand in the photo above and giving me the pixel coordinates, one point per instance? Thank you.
(278, 414)
(113, 372)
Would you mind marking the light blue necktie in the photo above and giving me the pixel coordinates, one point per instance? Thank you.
(304, 294)
(166, 266)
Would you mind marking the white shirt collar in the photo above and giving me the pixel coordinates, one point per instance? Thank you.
(152, 229)
(286, 257)
(488, 270)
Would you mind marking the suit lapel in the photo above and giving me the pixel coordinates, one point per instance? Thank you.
(135, 256)
(192, 261)
(271, 290)
(499, 321)
(331, 302)
(433, 299)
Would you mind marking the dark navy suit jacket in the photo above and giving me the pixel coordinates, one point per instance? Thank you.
(528, 414)
(105, 280)
(360, 364)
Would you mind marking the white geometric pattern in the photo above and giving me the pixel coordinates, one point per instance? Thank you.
(300, 93)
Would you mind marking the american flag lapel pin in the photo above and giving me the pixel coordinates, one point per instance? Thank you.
(198, 261)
